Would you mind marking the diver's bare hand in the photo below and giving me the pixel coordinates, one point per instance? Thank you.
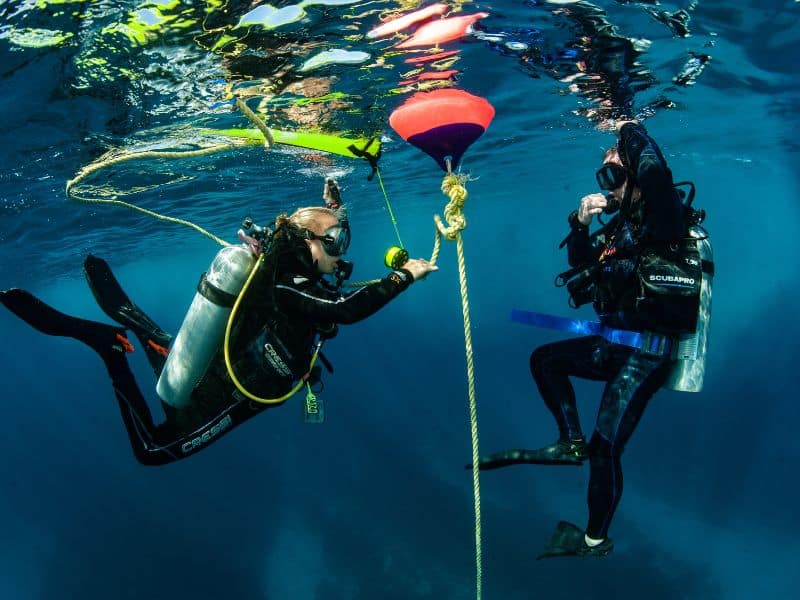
(591, 205)
(419, 268)
(331, 193)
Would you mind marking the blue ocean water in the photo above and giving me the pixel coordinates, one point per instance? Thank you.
(375, 503)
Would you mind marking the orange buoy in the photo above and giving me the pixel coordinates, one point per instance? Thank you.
(442, 123)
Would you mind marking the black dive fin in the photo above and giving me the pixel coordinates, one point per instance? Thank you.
(99, 337)
(113, 301)
(507, 458)
(568, 540)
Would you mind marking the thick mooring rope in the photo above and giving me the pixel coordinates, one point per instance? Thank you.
(453, 187)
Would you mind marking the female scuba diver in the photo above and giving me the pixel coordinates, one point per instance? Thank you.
(284, 314)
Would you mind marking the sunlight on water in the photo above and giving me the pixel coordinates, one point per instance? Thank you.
(376, 504)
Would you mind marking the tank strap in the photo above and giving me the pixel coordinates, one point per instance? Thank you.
(214, 294)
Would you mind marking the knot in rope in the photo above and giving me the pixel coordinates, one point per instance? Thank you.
(453, 187)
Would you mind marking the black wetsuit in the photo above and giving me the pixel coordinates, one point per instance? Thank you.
(291, 301)
(303, 306)
(631, 376)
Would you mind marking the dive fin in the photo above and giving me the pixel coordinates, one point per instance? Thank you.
(113, 301)
(561, 453)
(99, 337)
(568, 540)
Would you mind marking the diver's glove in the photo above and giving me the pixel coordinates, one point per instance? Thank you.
(331, 194)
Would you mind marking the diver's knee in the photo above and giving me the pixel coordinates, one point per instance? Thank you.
(539, 359)
(601, 447)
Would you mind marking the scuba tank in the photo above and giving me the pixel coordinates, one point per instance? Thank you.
(203, 328)
(690, 356)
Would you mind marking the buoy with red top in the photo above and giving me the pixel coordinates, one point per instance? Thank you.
(442, 123)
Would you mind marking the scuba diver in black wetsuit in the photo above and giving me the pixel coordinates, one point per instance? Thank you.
(650, 214)
(274, 333)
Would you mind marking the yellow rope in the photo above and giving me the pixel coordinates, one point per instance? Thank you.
(453, 187)
(166, 154)
(169, 154)
(103, 163)
(389, 206)
(262, 126)
(155, 215)
(357, 284)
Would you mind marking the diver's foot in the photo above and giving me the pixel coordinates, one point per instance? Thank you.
(563, 452)
(100, 337)
(569, 540)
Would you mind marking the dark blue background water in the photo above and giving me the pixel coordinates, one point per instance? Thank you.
(375, 503)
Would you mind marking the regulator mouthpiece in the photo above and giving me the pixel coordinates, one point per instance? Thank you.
(612, 205)
(344, 268)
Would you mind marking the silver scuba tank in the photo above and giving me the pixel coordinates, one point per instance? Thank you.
(690, 366)
(203, 330)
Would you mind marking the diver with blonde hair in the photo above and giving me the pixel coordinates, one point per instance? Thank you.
(282, 317)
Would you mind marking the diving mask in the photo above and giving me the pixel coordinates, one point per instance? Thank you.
(335, 241)
(611, 176)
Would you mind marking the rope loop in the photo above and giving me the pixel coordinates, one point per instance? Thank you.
(110, 199)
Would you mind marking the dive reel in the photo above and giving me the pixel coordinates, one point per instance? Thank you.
(395, 257)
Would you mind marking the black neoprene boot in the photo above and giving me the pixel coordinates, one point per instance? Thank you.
(562, 452)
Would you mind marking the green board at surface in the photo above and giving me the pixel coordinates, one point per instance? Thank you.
(312, 141)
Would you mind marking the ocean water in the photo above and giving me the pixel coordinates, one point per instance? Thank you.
(375, 503)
